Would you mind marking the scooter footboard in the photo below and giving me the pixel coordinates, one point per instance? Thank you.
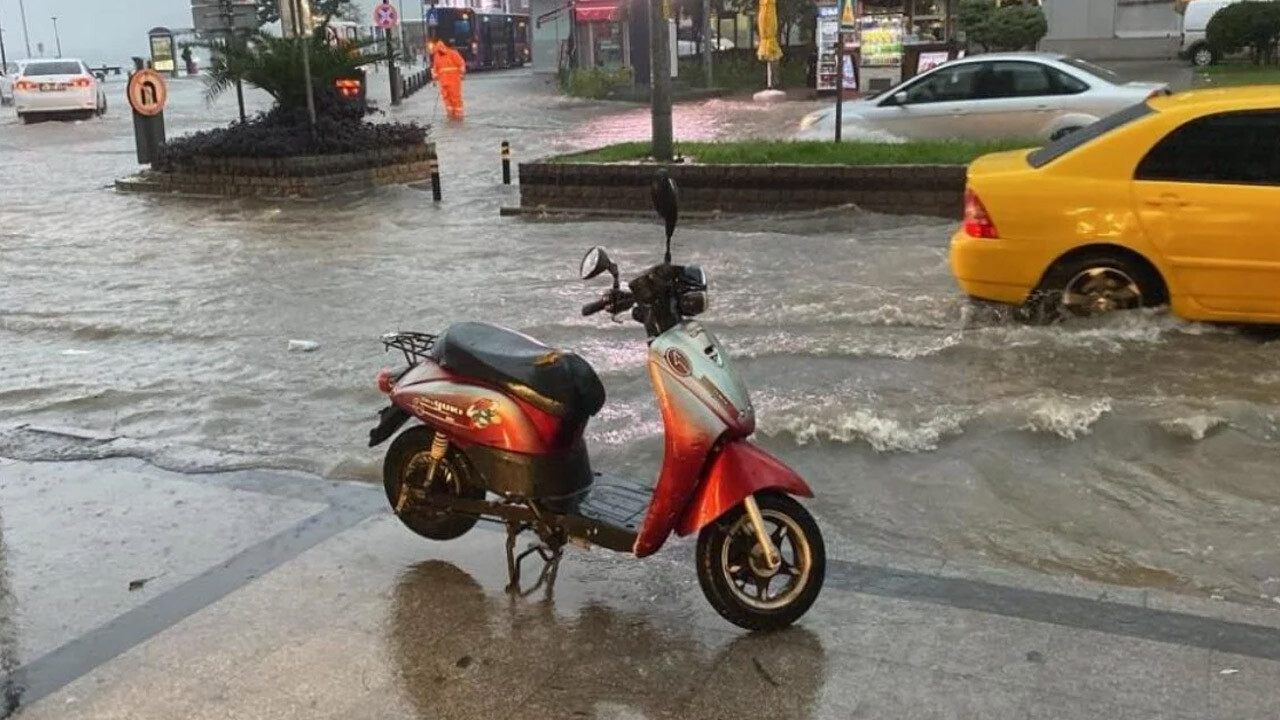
(739, 470)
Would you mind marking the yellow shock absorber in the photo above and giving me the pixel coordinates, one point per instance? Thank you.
(439, 447)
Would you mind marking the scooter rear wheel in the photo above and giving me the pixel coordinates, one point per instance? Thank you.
(407, 462)
(736, 578)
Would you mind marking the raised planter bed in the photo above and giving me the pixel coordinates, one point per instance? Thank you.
(315, 176)
(936, 190)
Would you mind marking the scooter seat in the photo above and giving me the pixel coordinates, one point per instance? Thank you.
(554, 381)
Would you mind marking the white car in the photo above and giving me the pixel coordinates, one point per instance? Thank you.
(1195, 27)
(63, 86)
(1036, 96)
(686, 48)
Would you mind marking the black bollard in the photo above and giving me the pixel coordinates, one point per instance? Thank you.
(506, 163)
(435, 180)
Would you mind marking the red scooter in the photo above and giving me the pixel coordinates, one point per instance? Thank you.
(501, 439)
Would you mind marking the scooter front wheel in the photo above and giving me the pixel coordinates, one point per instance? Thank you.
(405, 468)
(736, 577)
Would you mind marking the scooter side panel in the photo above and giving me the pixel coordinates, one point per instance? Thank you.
(470, 413)
(701, 400)
(700, 363)
(740, 469)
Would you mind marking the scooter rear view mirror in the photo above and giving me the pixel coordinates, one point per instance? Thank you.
(594, 262)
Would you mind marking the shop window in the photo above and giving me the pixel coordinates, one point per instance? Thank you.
(606, 41)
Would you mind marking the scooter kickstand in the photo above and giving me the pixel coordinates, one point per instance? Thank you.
(513, 564)
(550, 563)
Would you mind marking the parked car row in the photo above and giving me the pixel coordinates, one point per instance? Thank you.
(59, 87)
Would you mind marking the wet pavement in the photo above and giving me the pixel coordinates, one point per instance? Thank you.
(1129, 459)
(345, 614)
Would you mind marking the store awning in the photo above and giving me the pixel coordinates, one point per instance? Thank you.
(590, 11)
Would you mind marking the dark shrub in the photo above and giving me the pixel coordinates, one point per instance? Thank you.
(1251, 25)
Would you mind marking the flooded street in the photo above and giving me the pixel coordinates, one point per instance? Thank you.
(1138, 450)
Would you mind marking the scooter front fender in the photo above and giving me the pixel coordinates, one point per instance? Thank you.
(739, 470)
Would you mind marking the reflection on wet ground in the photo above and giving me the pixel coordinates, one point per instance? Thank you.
(1138, 450)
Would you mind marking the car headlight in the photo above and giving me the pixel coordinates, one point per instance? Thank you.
(812, 119)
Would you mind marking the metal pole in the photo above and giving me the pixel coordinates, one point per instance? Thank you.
(305, 39)
(706, 41)
(660, 61)
(391, 69)
(26, 38)
(240, 98)
(56, 37)
(839, 82)
(4, 59)
(506, 163)
(400, 26)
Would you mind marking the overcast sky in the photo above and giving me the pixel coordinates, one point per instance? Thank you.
(98, 30)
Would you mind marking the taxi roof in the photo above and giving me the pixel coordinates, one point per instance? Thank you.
(1246, 97)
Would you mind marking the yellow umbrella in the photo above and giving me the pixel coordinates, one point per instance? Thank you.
(767, 27)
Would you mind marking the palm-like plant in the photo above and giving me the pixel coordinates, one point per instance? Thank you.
(275, 65)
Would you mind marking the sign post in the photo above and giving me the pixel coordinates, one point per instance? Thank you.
(848, 23)
(226, 18)
(147, 94)
(386, 17)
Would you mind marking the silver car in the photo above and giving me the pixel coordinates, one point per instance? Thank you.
(1039, 96)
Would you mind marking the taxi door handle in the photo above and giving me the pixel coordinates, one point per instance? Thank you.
(1167, 200)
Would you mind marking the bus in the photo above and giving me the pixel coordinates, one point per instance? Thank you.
(487, 40)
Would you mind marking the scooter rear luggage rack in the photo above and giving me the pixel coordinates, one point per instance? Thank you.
(413, 345)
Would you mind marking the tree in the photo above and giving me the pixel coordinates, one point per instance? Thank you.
(274, 65)
(1007, 26)
(269, 10)
(1248, 25)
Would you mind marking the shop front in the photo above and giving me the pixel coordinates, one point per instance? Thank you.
(893, 40)
(601, 34)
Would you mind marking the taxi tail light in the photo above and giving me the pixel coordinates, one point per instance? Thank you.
(24, 85)
(977, 222)
(80, 82)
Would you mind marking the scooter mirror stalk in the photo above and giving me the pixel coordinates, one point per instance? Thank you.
(667, 202)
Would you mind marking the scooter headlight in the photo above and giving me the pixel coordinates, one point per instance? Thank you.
(693, 303)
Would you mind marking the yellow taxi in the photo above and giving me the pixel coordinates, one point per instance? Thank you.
(1175, 200)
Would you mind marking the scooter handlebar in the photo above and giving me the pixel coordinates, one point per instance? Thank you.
(615, 301)
(592, 308)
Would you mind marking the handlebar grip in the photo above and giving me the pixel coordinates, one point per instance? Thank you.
(592, 308)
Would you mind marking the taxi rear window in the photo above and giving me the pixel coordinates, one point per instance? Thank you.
(1063, 145)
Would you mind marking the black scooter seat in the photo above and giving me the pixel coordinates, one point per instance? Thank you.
(554, 381)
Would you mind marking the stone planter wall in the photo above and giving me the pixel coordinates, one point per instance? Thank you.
(315, 176)
(899, 189)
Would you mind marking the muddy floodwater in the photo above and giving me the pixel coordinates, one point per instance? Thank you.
(1139, 450)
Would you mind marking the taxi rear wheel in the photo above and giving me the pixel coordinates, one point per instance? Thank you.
(1097, 284)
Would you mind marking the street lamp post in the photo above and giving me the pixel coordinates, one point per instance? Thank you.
(57, 38)
(4, 59)
(26, 38)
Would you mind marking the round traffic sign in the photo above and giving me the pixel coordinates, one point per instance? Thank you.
(385, 15)
(147, 92)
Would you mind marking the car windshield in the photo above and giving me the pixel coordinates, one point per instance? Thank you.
(1094, 70)
(1067, 143)
(52, 68)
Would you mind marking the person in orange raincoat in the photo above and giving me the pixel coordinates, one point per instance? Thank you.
(447, 69)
